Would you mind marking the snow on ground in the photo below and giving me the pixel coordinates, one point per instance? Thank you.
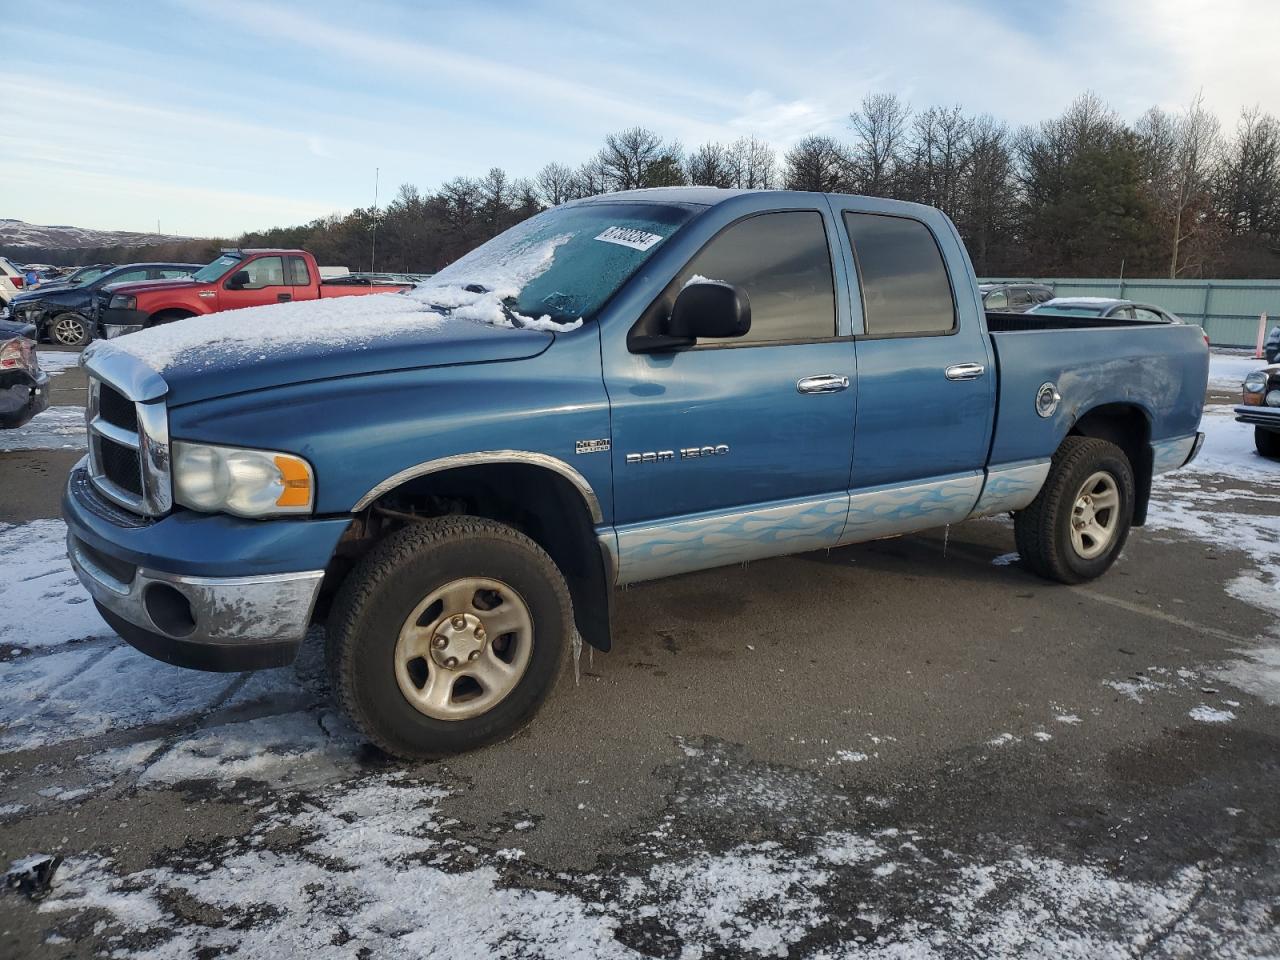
(57, 428)
(1228, 370)
(376, 867)
(1207, 502)
(55, 362)
(43, 602)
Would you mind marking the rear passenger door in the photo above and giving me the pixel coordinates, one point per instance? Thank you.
(926, 382)
(300, 279)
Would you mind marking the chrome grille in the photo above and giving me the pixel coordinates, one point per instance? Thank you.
(128, 433)
(116, 410)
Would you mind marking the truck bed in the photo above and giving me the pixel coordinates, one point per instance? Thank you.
(1160, 368)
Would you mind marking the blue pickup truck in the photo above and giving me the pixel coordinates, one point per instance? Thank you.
(623, 388)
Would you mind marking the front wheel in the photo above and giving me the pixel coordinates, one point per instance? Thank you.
(70, 330)
(1267, 442)
(1077, 525)
(447, 636)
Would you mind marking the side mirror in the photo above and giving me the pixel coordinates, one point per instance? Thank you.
(239, 280)
(710, 308)
(704, 308)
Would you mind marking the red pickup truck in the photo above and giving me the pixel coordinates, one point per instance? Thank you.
(238, 278)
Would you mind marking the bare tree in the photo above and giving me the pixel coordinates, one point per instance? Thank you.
(879, 125)
(638, 158)
(817, 163)
(556, 183)
(1180, 155)
(708, 166)
(752, 163)
(1248, 180)
(987, 216)
(939, 158)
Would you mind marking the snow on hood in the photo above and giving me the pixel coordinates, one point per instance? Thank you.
(472, 288)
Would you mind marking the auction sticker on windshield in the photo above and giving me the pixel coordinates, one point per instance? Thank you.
(629, 237)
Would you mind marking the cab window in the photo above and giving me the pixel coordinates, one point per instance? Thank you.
(996, 300)
(783, 263)
(263, 272)
(299, 276)
(905, 287)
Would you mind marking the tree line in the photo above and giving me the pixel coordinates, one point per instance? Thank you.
(1174, 194)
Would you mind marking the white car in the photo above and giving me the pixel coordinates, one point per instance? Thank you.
(11, 283)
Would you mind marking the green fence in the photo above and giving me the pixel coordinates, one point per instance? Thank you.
(1227, 309)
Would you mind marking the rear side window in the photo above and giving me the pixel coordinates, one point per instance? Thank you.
(996, 300)
(173, 273)
(1150, 316)
(783, 262)
(1019, 297)
(298, 274)
(128, 276)
(905, 288)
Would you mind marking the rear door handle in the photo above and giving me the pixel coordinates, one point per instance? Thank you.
(284, 297)
(965, 371)
(825, 383)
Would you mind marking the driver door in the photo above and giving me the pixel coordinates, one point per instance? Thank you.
(266, 283)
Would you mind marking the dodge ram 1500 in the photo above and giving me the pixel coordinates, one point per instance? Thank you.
(622, 388)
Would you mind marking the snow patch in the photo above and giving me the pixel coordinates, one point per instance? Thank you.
(55, 428)
(44, 601)
(1207, 714)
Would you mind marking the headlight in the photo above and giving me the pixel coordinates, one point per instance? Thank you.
(247, 483)
(120, 301)
(1256, 382)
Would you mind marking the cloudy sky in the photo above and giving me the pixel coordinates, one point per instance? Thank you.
(217, 117)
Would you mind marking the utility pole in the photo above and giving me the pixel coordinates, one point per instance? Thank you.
(373, 243)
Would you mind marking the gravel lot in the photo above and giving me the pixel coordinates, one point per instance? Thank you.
(911, 748)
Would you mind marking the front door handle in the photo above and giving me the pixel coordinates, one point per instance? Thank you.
(284, 297)
(826, 383)
(965, 371)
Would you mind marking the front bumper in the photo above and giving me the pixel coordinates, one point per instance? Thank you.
(1267, 417)
(22, 396)
(203, 591)
(114, 322)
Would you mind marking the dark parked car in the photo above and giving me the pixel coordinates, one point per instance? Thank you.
(1013, 297)
(1272, 348)
(1106, 308)
(65, 313)
(24, 387)
(1260, 408)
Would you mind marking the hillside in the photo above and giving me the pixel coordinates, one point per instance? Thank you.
(18, 233)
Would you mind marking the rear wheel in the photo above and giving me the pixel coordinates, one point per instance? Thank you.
(447, 636)
(70, 330)
(1076, 527)
(1267, 442)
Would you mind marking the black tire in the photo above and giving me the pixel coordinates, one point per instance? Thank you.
(388, 583)
(1267, 442)
(70, 330)
(1043, 530)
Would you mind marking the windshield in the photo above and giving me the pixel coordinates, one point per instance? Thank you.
(1067, 311)
(86, 274)
(213, 271)
(555, 269)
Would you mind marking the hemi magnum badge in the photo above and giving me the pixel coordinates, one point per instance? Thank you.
(593, 446)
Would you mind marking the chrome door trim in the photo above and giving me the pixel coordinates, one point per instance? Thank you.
(483, 457)
(651, 549)
(965, 371)
(822, 383)
(898, 508)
